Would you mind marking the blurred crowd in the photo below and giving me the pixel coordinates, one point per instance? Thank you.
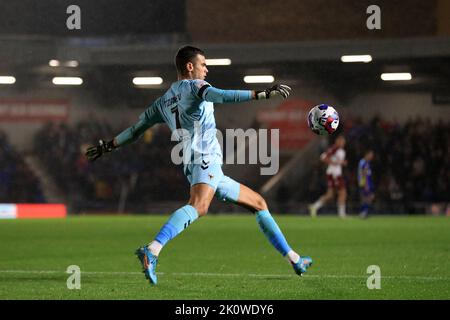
(137, 174)
(18, 184)
(411, 165)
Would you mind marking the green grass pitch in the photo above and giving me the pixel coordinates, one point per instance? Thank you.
(226, 257)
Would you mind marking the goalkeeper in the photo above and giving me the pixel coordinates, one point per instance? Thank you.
(187, 108)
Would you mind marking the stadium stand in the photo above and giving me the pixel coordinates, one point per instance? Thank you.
(411, 167)
(18, 184)
(142, 171)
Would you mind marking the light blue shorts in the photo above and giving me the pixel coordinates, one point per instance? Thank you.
(226, 189)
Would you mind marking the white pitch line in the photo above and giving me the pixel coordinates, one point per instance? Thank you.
(205, 274)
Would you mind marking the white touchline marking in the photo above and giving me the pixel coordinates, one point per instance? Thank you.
(205, 274)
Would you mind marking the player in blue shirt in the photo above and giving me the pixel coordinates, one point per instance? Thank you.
(188, 109)
(365, 183)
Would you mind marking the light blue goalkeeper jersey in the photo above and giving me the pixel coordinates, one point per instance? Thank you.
(187, 108)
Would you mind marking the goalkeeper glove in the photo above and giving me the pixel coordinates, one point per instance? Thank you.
(277, 90)
(95, 152)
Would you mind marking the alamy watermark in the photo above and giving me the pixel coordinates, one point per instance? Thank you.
(374, 280)
(74, 280)
(199, 147)
(374, 20)
(73, 22)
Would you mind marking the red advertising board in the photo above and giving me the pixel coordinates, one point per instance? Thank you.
(33, 110)
(32, 210)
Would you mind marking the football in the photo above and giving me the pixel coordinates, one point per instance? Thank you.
(323, 119)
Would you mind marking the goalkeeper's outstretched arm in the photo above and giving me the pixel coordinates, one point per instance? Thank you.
(146, 120)
(212, 94)
(131, 134)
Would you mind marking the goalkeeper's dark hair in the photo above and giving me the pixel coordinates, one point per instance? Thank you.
(184, 55)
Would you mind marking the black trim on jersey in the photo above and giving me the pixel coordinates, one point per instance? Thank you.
(202, 89)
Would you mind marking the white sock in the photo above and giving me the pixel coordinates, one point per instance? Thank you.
(155, 247)
(292, 256)
(318, 204)
(341, 210)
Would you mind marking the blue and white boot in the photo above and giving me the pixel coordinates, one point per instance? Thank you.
(302, 265)
(149, 262)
